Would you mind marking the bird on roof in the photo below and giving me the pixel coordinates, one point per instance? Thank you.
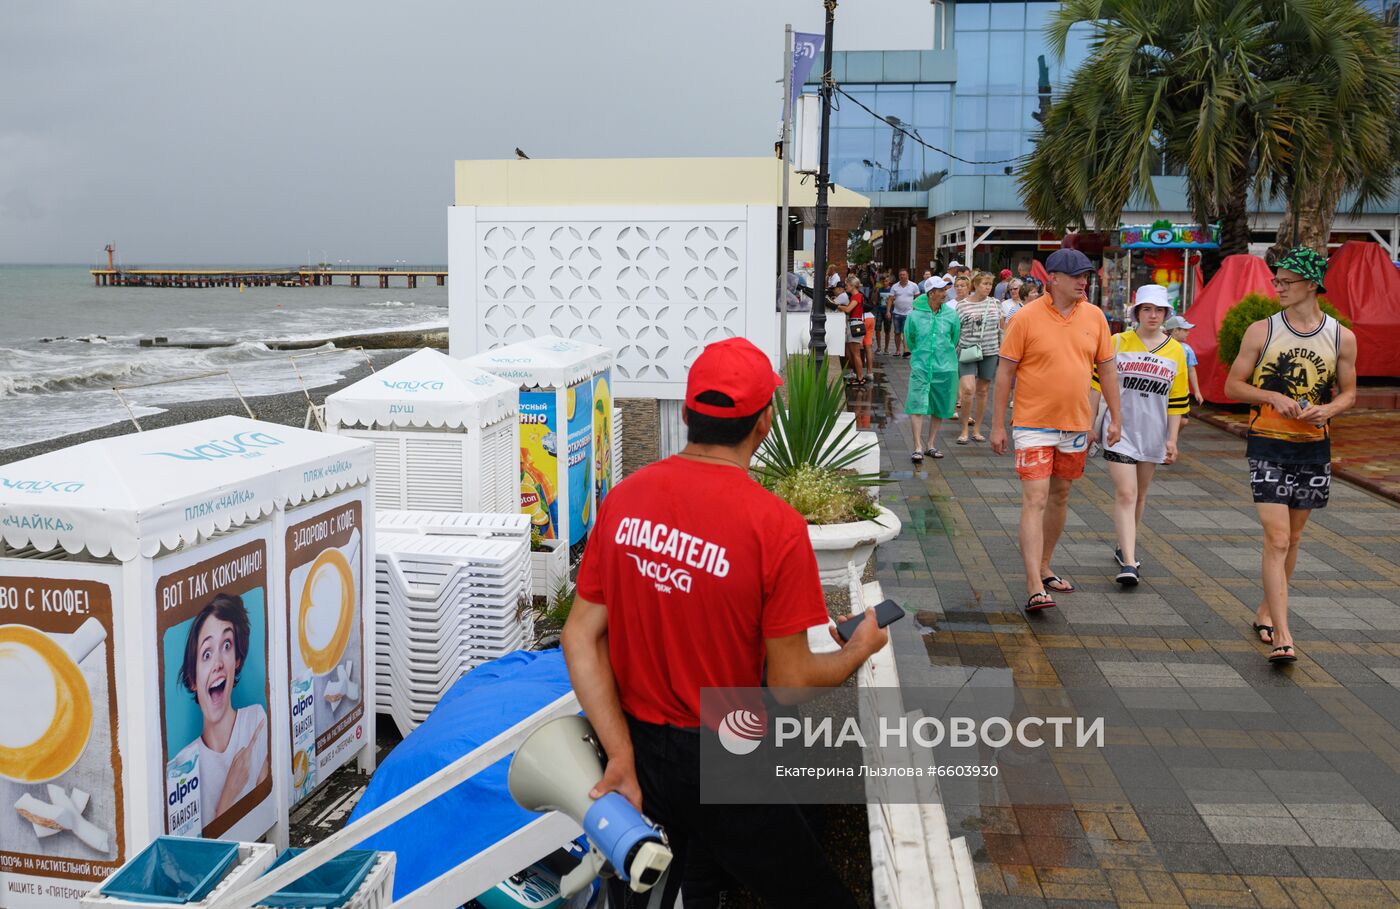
(521, 155)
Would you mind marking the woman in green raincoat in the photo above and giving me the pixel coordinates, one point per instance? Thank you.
(931, 335)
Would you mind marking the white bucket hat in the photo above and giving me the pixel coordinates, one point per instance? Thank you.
(1150, 295)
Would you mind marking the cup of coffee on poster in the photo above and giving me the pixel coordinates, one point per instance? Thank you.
(325, 556)
(213, 640)
(60, 772)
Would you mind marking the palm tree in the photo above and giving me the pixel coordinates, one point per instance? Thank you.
(1289, 98)
(1355, 112)
(1284, 375)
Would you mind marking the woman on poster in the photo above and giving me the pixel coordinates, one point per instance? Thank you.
(232, 745)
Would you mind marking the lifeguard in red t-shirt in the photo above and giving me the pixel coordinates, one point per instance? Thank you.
(695, 576)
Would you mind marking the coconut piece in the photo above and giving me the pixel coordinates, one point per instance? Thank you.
(334, 692)
(63, 814)
(40, 814)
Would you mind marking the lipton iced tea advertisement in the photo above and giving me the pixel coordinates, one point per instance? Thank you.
(539, 462)
(325, 568)
(579, 400)
(60, 772)
(212, 640)
(603, 478)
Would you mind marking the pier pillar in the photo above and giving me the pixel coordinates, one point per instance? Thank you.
(383, 280)
(354, 280)
(412, 280)
(442, 280)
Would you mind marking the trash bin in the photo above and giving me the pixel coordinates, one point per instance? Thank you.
(173, 869)
(327, 887)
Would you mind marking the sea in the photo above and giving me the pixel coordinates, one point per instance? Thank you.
(65, 344)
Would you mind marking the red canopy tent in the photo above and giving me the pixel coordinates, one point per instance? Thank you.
(1365, 287)
(1238, 275)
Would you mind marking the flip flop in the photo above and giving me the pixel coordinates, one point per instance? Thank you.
(1039, 601)
(1277, 655)
(1053, 580)
(1269, 628)
(960, 441)
(979, 438)
(934, 453)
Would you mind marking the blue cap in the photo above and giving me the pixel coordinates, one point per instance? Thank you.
(1068, 262)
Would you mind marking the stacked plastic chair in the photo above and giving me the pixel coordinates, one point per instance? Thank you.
(451, 592)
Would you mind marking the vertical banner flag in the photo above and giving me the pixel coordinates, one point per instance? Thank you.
(805, 48)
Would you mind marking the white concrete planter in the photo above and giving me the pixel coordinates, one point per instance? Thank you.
(870, 461)
(549, 568)
(838, 545)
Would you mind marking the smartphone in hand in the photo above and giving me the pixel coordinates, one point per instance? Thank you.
(886, 613)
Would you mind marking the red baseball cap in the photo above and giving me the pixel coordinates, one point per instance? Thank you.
(736, 368)
(1006, 272)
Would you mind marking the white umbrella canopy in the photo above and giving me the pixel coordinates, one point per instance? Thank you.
(131, 495)
(427, 388)
(548, 361)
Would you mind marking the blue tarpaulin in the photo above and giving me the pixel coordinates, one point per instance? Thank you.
(456, 826)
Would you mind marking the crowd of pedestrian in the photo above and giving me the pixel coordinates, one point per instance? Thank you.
(981, 343)
(640, 651)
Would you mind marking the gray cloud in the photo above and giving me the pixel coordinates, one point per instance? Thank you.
(256, 132)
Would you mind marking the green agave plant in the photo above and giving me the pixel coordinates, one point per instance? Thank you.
(806, 431)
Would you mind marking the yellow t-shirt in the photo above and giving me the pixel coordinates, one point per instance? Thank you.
(1152, 385)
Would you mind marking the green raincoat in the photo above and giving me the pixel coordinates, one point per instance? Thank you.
(932, 339)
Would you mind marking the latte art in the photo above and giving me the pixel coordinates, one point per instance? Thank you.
(45, 706)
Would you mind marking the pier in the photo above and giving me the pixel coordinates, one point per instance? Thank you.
(259, 277)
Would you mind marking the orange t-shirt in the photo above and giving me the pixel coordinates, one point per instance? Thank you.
(1055, 357)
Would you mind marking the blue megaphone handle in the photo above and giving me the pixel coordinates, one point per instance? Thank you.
(616, 828)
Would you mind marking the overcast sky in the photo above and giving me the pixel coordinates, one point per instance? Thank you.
(258, 132)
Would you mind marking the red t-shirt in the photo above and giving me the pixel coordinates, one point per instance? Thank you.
(697, 564)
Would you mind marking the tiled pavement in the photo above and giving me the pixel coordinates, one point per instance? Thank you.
(1234, 783)
(1365, 446)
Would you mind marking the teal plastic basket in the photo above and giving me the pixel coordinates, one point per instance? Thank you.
(326, 887)
(173, 869)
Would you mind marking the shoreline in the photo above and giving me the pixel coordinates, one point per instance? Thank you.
(391, 339)
(287, 408)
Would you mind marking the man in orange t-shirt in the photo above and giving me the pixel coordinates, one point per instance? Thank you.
(1053, 345)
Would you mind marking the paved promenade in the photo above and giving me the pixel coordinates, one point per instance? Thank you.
(1365, 447)
(1290, 800)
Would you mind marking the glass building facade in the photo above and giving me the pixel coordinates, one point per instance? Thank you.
(869, 155)
(1006, 72)
(983, 110)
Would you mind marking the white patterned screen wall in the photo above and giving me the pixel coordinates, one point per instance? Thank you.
(655, 284)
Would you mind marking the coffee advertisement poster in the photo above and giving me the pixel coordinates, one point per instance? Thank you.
(60, 770)
(212, 637)
(325, 571)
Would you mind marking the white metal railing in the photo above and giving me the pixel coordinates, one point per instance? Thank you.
(476, 875)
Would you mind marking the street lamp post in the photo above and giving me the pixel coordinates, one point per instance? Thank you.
(823, 178)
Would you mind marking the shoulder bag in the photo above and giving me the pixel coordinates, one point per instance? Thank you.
(972, 353)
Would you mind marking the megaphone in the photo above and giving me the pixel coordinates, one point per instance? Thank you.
(553, 770)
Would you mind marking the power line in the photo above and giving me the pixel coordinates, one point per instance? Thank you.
(915, 136)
